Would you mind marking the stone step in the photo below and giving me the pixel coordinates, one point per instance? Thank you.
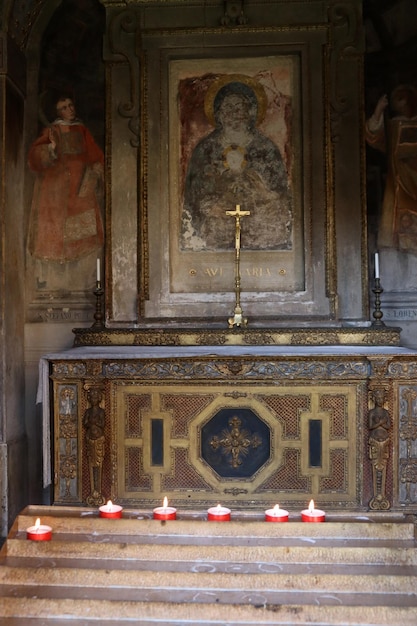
(190, 571)
(249, 529)
(209, 587)
(62, 612)
(115, 549)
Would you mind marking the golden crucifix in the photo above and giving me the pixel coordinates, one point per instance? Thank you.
(237, 318)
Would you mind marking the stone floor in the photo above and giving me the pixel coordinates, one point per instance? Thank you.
(350, 570)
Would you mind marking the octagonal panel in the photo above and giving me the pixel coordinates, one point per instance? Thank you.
(235, 442)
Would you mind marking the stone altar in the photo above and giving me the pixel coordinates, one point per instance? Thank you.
(247, 425)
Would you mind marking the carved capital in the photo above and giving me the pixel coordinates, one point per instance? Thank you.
(233, 14)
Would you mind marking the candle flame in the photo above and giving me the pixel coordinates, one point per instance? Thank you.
(311, 506)
(37, 524)
(219, 506)
(276, 508)
(165, 502)
(109, 505)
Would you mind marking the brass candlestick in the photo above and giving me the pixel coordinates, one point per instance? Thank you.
(98, 315)
(377, 314)
(237, 319)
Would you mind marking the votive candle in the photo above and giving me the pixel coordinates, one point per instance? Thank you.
(276, 514)
(312, 514)
(111, 511)
(218, 513)
(165, 512)
(39, 532)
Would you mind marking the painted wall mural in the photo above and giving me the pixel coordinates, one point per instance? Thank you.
(65, 231)
(235, 163)
(66, 222)
(235, 128)
(392, 129)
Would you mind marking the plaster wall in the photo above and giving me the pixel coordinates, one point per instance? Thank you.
(12, 407)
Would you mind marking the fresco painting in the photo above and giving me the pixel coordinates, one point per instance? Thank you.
(66, 223)
(236, 139)
(236, 163)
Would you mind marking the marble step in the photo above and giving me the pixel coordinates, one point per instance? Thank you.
(61, 612)
(190, 571)
(105, 549)
(249, 529)
(209, 587)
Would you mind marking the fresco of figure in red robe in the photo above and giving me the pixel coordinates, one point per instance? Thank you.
(66, 216)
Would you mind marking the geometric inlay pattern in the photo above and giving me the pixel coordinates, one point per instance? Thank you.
(336, 406)
(184, 475)
(336, 481)
(135, 477)
(287, 409)
(184, 408)
(136, 404)
(287, 478)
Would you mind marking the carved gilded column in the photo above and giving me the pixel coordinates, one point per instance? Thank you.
(379, 425)
(379, 442)
(94, 422)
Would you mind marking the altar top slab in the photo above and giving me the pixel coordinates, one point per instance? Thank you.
(162, 352)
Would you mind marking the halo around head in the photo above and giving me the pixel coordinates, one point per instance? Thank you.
(223, 80)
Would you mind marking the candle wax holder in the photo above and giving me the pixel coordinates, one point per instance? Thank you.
(165, 513)
(276, 515)
(40, 532)
(218, 514)
(111, 511)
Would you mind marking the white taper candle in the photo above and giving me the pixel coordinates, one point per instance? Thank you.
(376, 265)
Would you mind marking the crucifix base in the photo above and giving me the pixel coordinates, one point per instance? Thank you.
(237, 319)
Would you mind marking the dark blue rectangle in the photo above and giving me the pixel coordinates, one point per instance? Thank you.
(315, 443)
(157, 442)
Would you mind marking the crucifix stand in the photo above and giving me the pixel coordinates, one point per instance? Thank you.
(237, 319)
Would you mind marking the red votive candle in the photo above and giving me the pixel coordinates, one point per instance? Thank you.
(276, 514)
(39, 532)
(218, 514)
(111, 511)
(312, 514)
(165, 512)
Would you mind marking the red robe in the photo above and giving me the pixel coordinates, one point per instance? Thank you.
(66, 221)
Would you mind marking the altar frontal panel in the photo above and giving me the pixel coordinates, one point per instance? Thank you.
(251, 446)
